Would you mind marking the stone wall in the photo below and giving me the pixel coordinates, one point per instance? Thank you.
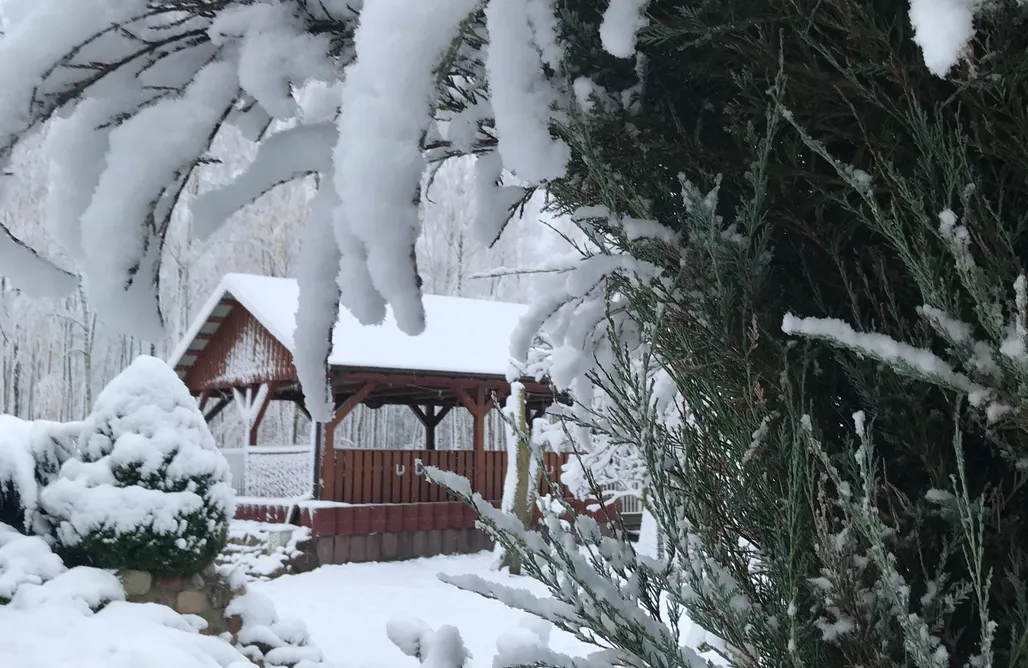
(205, 594)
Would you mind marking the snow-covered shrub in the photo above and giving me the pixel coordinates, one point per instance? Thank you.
(51, 615)
(31, 454)
(442, 648)
(17, 472)
(24, 559)
(32, 576)
(267, 638)
(151, 490)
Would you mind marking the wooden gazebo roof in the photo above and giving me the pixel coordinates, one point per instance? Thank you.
(244, 337)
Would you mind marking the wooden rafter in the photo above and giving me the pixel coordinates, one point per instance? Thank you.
(439, 381)
(352, 402)
(300, 405)
(428, 415)
(430, 419)
(221, 404)
(261, 411)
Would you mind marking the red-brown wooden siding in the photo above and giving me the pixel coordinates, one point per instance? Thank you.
(389, 476)
(241, 352)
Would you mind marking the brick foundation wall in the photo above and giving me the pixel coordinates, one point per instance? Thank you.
(261, 512)
(386, 532)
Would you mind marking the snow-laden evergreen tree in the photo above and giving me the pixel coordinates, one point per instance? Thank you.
(149, 489)
(807, 213)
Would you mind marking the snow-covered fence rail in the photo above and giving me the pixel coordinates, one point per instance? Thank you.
(271, 471)
(279, 471)
(236, 458)
(392, 476)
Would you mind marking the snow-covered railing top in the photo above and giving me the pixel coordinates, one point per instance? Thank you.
(461, 336)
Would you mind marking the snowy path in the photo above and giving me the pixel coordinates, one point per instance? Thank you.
(346, 608)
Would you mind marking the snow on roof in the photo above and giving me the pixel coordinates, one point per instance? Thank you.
(462, 336)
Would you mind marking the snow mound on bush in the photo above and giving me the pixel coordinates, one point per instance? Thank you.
(151, 490)
(24, 560)
(31, 453)
(146, 417)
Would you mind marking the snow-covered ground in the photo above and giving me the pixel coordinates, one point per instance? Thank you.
(346, 608)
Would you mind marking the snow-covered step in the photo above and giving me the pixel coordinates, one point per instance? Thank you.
(263, 550)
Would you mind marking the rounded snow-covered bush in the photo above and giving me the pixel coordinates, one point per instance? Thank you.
(151, 490)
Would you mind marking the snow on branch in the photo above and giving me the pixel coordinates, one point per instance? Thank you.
(284, 156)
(76, 144)
(594, 583)
(121, 230)
(575, 312)
(494, 203)
(881, 347)
(33, 51)
(387, 107)
(135, 92)
(276, 52)
(318, 304)
(30, 272)
(443, 648)
(621, 22)
(521, 95)
(944, 30)
(906, 358)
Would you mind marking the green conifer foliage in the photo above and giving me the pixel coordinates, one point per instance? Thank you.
(859, 476)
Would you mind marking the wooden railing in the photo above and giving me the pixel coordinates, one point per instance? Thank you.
(391, 476)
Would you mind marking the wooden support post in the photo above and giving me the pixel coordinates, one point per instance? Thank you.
(328, 460)
(202, 399)
(260, 413)
(430, 424)
(480, 424)
(479, 408)
(319, 447)
(430, 419)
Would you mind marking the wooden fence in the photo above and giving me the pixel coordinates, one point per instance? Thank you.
(391, 476)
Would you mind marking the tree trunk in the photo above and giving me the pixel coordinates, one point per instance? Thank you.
(521, 500)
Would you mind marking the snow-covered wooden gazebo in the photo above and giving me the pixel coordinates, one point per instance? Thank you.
(370, 504)
(241, 347)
